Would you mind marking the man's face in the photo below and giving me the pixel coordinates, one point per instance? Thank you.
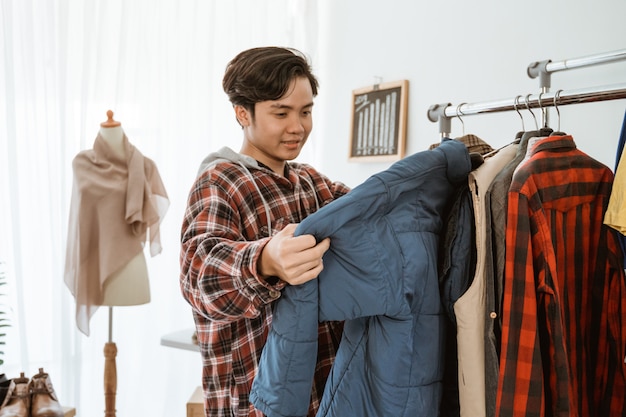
(279, 128)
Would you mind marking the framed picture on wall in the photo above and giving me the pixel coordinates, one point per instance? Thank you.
(379, 118)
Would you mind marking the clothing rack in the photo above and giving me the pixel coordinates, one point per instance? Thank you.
(544, 69)
(444, 112)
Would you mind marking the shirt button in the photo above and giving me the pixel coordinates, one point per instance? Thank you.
(274, 293)
(493, 315)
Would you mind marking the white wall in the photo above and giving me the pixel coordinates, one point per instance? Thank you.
(456, 51)
(464, 51)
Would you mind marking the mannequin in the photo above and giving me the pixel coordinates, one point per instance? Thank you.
(129, 285)
(117, 205)
(118, 202)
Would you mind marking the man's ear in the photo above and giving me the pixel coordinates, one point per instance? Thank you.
(243, 115)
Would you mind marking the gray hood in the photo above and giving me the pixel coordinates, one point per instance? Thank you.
(227, 154)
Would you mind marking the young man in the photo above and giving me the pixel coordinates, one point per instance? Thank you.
(238, 246)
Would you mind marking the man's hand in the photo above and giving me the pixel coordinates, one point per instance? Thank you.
(295, 260)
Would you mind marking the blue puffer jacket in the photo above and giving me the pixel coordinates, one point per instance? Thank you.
(380, 275)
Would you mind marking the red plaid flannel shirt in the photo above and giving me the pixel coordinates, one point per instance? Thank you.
(224, 229)
(564, 307)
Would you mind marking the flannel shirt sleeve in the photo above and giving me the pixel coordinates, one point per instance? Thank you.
(219, 277)
(528, 295)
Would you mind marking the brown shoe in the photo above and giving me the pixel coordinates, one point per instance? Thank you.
(17, 401)
(44, 401)
(4, 387)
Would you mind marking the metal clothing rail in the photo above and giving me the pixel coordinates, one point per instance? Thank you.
(543, 69)
(444, 112)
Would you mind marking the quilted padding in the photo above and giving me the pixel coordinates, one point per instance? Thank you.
(380, 276)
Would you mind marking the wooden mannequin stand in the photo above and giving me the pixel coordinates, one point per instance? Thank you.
(110, 371)
(110, 349)
(128, 286)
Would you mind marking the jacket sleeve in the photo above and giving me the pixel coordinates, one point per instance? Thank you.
(287, 365)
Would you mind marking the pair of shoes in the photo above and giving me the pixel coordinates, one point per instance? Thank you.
(31, 398)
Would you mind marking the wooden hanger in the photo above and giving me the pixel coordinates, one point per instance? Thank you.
(110, 122)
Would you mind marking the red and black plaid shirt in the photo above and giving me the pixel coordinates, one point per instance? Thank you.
(564, 307)
(224, 229)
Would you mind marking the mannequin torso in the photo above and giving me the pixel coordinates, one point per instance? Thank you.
(114, 137)
(130, 285)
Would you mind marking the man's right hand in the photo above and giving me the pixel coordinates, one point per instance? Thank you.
(294, 259)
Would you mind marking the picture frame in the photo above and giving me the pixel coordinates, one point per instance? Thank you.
(378, 122)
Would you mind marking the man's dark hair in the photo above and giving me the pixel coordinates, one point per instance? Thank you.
(264, 73)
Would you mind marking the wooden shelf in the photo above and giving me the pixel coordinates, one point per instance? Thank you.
(69, 412)
(195, 405)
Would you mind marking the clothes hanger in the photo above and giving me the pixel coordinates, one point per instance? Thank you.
(520, 133)
(476, 158)
(527, 102)
(458, 114)
(556, 107)
(557, 95)
(545, 129)
(529, 134)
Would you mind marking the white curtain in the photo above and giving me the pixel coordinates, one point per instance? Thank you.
(158, 65)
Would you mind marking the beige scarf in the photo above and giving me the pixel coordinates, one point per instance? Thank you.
(115, 205)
